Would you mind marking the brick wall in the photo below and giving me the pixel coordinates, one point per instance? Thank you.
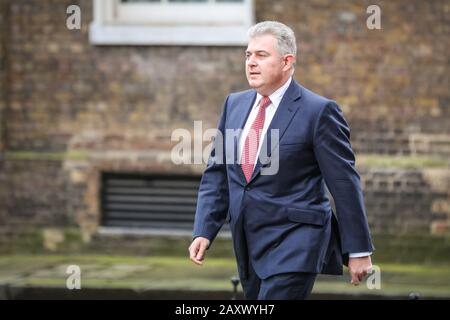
(393, 81)
(61, 94)
(399, 201)
(34, 193)
(3, 28)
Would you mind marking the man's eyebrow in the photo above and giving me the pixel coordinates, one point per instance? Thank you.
(257, 51)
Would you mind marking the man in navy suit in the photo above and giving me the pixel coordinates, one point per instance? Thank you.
(273, 191)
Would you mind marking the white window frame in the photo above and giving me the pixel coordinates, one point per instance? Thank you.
(167, 23)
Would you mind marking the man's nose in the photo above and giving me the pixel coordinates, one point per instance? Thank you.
(251, 61)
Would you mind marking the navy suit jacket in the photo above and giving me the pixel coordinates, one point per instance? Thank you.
(283, 222)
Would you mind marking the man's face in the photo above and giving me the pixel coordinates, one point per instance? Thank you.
(265, 69)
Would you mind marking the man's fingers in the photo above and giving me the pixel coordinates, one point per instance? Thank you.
(201, 252)
(358, 276)
(197, 261)
(355, 279)
(193, 249)
(361, 277)
(363, 273)
(197, 250)
(359, 268)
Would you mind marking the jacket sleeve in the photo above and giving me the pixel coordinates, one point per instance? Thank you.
(213, 197)
(337, 164)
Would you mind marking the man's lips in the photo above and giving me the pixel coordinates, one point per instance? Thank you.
(255, 73)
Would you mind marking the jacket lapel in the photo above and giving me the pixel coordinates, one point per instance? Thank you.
(237, 122)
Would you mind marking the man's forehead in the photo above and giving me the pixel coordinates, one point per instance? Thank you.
(261, 43)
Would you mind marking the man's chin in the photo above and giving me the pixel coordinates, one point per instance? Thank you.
(254, 84)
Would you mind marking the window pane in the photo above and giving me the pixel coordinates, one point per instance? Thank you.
(188, 0)
(143, 1)
(139, 1)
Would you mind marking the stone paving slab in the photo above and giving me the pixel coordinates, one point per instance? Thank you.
(172, 274)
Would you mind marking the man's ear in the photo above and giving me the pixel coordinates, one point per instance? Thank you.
(289, 61)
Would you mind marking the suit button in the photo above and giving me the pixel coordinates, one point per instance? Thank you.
(248, 188)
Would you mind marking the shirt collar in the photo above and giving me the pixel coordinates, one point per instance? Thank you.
(276, 96)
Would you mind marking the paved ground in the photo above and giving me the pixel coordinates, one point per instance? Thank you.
(175, 277)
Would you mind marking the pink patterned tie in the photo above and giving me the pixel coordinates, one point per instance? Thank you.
(251, 145)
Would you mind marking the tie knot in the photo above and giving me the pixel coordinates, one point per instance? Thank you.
(265, 101)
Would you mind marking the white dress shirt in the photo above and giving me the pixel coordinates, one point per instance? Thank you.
(275, 99)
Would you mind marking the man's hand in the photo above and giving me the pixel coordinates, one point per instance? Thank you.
(197, 250)
(359, 268)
